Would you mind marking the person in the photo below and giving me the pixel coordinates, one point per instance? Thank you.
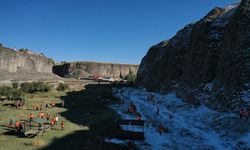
(56, 119)
(33, 106)
(157, 111)
(17, 125)
(31, 116)
(243, 114)
(41, 107)
(62, 103)
(11, 122)
(42, 115)
(21, 127)
(47, 117)
(37, 107)
(138, 117)
(52, 123)
(62, 124)
(53, 104)
(161, 129)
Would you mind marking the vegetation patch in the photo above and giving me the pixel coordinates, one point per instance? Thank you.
(62, 87)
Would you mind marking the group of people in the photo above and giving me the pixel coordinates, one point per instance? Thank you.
(19, 125)
(41, 106)
(132, 110)
(19, 103)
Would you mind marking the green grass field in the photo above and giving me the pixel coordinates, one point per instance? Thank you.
(87, 118)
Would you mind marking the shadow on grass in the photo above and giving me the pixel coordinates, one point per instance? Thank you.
(9, 105)
(89, 107)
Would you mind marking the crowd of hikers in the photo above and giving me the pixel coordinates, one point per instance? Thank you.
(132, 109)
(46, 119)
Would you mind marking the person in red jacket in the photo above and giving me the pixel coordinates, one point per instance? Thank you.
(243, 114)
(52, 123)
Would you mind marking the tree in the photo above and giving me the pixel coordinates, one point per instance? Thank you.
(1, 45)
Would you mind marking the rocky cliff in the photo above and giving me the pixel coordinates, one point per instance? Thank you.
(205, 62)
(86, 69)
(23, 64)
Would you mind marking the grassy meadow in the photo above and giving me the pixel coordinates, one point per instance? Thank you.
(88, 120)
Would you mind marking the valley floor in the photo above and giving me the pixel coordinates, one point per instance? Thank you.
(190, 127)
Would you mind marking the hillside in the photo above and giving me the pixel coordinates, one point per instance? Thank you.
(205, 62)
(86, 69)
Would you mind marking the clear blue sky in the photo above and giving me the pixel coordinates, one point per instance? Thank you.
(118, 31)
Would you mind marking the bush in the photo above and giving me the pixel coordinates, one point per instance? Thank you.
(131, 77)
(1, 45)
(15, 94)
(4, 90)
(62, 87)
(11, 93)
(35, 87)
(15, 85)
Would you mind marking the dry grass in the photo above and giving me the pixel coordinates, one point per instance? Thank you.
(38, 142)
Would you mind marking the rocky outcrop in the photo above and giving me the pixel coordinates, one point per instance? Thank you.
(24, 60)
(87, 69)
(205, 62)
(24, 64)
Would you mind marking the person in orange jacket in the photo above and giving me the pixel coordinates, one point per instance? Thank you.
(42, 115)
(31, 116)
(17, 125)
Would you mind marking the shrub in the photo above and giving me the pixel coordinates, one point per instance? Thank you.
(4, 90)
(11, 93)
(1, 45)
(15, 85)
(62, 87)
(35, 87)
(131, 77)
(15, 94)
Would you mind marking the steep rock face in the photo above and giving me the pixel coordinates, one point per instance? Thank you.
(14, 61)
(24, 66)
(86, 69)
(207, 61)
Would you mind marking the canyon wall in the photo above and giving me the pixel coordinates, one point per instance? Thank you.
(87, 69)
(205, 62)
